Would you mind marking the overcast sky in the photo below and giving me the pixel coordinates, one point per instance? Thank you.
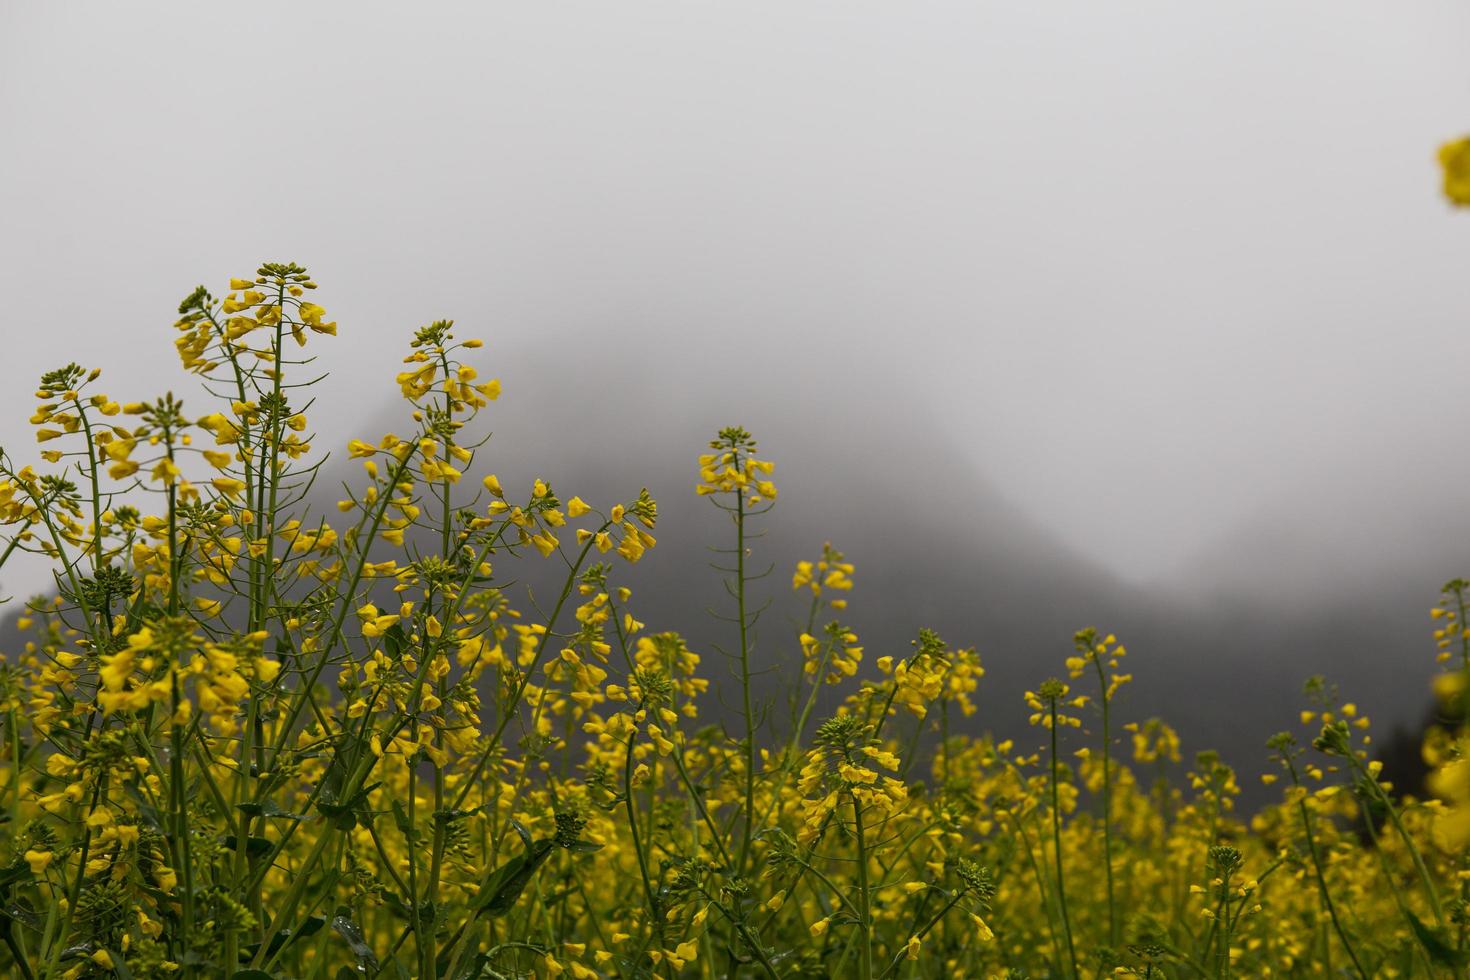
(1167, 273)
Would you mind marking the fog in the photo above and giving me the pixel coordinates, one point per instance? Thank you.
(1149, 312)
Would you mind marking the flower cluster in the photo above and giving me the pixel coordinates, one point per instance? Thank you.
(734, 469)
(1454, 162)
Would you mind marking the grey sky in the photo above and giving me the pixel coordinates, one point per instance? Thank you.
(1172, 276)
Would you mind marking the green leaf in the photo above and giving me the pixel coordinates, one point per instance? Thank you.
(475, 968)
(342, 814)
(255, 847)
(400, 820)
(338, 812)
(267, 808)
(119, 967)
(252, 975)
(332, 779)
(24, 914)
(1436, 947)
(15, 874)
(504, 888)
(395, 640)
(360, 797)
(339, 816)
(351, 933)
(310, 927)
(396, 906)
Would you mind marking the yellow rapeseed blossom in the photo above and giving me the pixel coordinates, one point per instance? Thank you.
(1454, 162)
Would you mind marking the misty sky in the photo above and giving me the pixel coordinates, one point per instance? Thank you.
(1168, 275)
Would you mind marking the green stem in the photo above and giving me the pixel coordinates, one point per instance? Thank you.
(747, 832)
(1107, 798)
(654, 915)
(865, 915)
(1056, 832)
(1322, 888)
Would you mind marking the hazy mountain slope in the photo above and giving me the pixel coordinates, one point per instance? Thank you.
(936, 545)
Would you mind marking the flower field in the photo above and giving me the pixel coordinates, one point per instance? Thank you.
(248, 740)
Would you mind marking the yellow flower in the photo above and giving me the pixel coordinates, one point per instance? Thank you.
(374, 625)
(166, 472)
(229, 486)
(39, 860)
(311, 315)
(1454, 160)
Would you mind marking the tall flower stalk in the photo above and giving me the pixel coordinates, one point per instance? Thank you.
(1045, 712)
(1103, 655)
(739, 483)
